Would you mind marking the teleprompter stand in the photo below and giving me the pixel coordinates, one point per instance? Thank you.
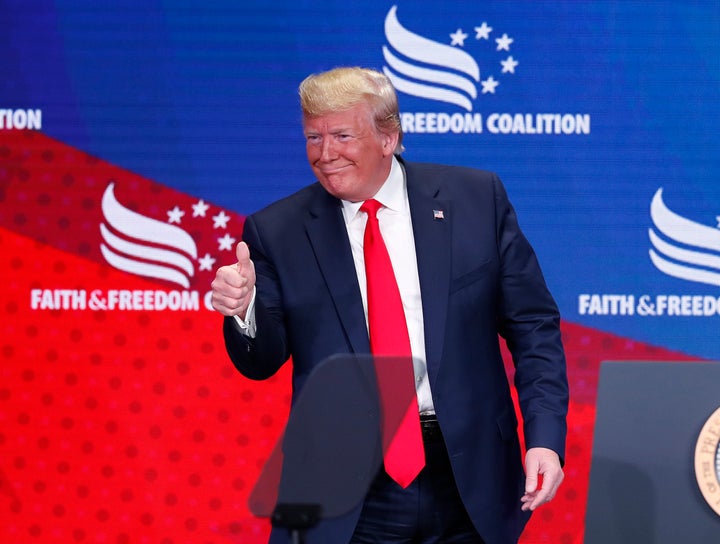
(331, 450)
(296, 518)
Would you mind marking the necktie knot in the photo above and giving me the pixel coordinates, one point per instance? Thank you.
(371, 207)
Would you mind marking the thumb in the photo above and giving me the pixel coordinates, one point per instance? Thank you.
(531, 479)
(242, 252)
(531, 483)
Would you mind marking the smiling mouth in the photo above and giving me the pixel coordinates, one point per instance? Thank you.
(331, 171)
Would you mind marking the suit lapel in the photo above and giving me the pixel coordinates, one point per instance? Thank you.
(432, 221)
(328, 236)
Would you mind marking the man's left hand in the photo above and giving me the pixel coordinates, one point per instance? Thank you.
(546, 463)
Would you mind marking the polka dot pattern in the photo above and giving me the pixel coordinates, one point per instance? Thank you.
(114, 426)
(120, 427)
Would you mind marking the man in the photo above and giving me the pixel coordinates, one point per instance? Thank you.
(466, 274)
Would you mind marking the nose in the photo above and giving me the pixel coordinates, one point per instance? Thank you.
(327, 150)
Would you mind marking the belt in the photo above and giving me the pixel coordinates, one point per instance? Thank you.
(430, 428)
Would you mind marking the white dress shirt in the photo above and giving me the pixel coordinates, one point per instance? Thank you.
(396, 229)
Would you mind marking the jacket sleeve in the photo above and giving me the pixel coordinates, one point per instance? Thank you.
(529, 321)
(260, 357)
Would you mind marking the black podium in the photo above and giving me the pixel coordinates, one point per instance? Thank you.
(656, 455)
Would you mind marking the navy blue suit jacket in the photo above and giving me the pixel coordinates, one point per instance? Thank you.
(479, 278)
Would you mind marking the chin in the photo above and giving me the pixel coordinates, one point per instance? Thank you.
(337, 188)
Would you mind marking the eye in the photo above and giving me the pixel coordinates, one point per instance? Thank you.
(313, 139)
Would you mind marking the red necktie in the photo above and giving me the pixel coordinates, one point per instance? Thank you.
(402, 437)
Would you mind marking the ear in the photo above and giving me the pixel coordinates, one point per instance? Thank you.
(390, 140)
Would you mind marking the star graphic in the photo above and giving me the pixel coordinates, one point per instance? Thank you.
(226, 242)
(200, 208)
(503, 42)
(206, 262)
(509, 65)
(483, 31)
(489, 84)
(458, 38)
(220, 220)
(175, 215)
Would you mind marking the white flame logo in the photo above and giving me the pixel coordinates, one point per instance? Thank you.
(442, 83)
(690, 251)
(145, 246)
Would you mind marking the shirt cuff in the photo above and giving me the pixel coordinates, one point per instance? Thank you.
(248, 326)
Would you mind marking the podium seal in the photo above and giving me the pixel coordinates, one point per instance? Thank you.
(707, 461)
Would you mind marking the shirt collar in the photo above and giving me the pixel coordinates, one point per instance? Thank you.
(392, 193)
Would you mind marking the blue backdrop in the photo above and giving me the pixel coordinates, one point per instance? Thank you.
(585, 109)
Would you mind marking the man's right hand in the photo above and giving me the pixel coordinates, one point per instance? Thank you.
(233, 286)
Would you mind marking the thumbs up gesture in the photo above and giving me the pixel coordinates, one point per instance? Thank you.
(232, 288)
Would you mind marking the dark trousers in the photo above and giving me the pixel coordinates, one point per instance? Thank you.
(428, 511)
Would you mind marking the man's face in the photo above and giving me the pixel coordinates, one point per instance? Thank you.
(349, 157)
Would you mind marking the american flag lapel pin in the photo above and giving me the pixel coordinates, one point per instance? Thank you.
(438, 215)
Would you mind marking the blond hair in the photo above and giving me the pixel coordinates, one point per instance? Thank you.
(341, 89)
